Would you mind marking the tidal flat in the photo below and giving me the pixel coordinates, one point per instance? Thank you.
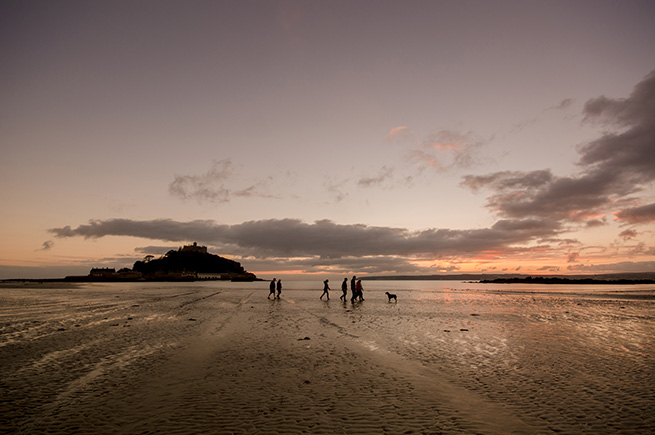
(219, 357)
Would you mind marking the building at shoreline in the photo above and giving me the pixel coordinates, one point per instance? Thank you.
(194, 248)
(102, 272)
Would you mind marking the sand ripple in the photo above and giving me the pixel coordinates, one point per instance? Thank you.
(199, 359)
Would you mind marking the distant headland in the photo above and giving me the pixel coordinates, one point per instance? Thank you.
(615, 278)
(188, 263)
(558, 280)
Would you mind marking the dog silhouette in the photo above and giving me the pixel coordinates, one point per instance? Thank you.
(391, 296)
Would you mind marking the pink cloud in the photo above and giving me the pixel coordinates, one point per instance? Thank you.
(401, 132)
(447, 140)
(447, 149)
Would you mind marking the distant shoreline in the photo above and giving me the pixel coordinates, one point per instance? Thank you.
(84, 279)
(555, 280)
(617, 278)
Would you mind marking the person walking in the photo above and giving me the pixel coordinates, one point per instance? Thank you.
(360, 290)
(353, 289)
(279, 288)
(271, 289)
(326, 289)
(344, 289)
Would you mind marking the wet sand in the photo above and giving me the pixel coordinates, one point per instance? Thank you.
(198, 358)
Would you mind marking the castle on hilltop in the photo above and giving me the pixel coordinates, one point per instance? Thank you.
(193, 248)
(188, 263)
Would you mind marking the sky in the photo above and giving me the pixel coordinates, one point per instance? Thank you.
(329, 137)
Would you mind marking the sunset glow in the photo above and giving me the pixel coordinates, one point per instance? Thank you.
(329, 138)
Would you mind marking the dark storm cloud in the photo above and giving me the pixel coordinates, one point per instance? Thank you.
(613, 167)
(325, 239)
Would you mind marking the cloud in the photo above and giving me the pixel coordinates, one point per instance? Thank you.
(591, 223)
(446, 150)
(637, 215)
(324, 238)
(533, 207)
(623, 266)
(628, 234)
(614, 168)
(541, 194)
(47, 245)
(212, 185)
(348, 265)
(573, 257)
(336, 188)
(158, 229)
(637, 109)
(206, 187)
(155, 250)
(564, 104)
(385, 174)
(399, 133)
(642, 249)
(508, 180)
(628, 154)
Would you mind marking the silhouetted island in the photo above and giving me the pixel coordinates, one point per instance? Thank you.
(188, 263)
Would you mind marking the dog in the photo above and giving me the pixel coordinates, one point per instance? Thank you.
(391, 296)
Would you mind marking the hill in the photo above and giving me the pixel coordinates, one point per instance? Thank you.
(192, 261)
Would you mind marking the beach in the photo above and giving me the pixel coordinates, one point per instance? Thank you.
(216, 357)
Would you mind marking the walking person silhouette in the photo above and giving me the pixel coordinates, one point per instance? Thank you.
(271, 289)
(344, 289)
(326, 287)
